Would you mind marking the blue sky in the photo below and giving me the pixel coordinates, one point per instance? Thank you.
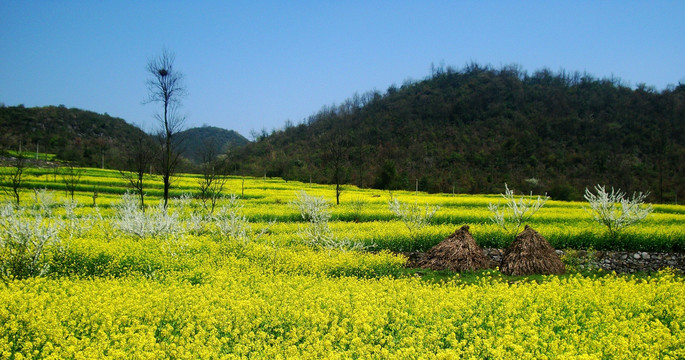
(255, 64)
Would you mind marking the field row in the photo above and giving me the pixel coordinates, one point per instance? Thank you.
(373, 225)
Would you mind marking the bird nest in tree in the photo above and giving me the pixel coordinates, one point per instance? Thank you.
(530, 254)
(459, 252)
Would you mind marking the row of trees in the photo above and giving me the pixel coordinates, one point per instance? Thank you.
(12, 177)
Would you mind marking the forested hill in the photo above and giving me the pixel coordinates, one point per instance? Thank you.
(87, 138)
(79, 136)
(474, 129)
(204, 141)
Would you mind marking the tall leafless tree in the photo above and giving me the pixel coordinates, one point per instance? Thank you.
(71, 175)
(337, 157)
(213, 180)
(165, 86)
(13, 176)
(139, 158)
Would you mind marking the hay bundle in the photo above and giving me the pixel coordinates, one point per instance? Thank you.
(530, 254)
(459, 252)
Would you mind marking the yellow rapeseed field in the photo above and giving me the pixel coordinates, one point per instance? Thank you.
(246, 312)
(246, 285)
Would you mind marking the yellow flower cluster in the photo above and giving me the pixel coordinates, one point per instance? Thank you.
(245, 312)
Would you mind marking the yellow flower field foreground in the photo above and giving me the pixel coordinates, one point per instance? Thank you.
(244, 312)
(249, 282)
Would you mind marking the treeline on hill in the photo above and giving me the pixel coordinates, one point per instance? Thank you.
(202, 144)
(90, 139)
(472, 130)
(77, 136)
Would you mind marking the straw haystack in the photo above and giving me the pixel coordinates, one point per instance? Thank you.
(530, 254)
(459, 252)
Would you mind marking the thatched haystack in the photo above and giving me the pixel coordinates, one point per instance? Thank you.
(459, 252)
(530, 254)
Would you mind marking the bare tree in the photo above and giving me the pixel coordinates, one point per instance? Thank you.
(71, 176)
(337, 157)
(13, 177)
(139, 158)
(165, 86)
(213, 180)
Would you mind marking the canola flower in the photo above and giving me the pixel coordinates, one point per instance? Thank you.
(196, 293)
(245, 312)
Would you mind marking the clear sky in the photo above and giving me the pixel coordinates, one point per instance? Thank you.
(255, 64)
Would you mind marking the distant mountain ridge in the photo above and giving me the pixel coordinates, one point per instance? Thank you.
(472, 130)
(201, 141)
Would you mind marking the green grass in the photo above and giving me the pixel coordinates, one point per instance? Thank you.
(32, 155)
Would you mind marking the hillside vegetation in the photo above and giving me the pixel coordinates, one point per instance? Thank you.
(474, 129)
(87, 138)
(74, 135)
(204, 141)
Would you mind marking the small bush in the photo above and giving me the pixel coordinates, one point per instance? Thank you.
(155, 222)
(615, 210)
(577, 261)
(25, 235)
(515, 213)
(413, 216)
(234, 226)
(317, 233)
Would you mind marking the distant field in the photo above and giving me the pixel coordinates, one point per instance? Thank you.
(364, 214)
(246, 282)
(33, 155)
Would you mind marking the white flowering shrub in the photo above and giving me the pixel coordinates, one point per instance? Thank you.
(156, 221)
(615, 210)
(414, 217)
(515, 213)
(25, 235)
(233, 226)
(317, 232)
(78, 226)
(197, 221)
(311, 208)
(43, 202)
